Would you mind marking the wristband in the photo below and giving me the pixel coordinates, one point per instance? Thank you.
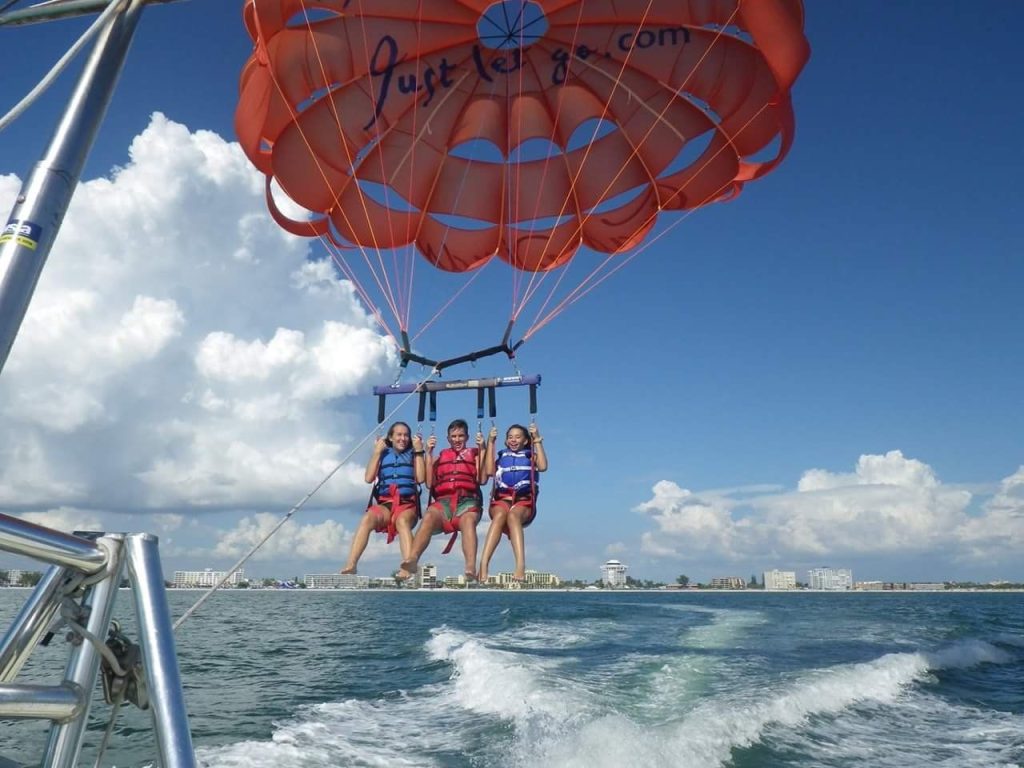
(418, 453)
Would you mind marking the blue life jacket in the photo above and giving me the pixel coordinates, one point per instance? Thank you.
(514, 472)
(396, 469)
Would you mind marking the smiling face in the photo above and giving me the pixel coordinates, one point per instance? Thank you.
(400, 437)
(516, 438)
(457, 437)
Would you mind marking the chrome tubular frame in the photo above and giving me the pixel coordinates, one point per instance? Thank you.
(87, 591)
(82, 582)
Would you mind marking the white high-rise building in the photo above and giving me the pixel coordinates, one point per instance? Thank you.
(336, 581)
(206, 578)
(428, 575)
(778, 580)
(613, 573)
(830, 578)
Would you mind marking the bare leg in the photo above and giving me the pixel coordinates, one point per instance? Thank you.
(360, 538)
(516, 539)
(404, 524)
(467, 527)
(432, 523)
(499, 512)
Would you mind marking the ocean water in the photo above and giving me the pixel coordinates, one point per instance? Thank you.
(282, 679)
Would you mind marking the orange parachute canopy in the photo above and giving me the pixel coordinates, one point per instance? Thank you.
(521, 129)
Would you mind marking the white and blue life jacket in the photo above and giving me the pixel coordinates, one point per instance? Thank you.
(514, 472)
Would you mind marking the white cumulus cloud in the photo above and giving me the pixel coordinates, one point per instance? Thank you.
(888, 504)
(181, 351)
(310, 542)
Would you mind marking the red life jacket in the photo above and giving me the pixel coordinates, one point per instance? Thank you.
(455, 473)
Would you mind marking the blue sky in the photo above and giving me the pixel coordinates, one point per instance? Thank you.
(825, 371)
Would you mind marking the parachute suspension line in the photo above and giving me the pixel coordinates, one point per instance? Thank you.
(579, 291)
(659, 118)
(514, 216)
(409, 157)
(586, 153)
(387, 296)
(536, 279)
(346, 269)
(380, 278)
(451, 300)
(448, 227)
(291, 512)
(48, 79)
(410, 251)
(582, 290)
(403, 316)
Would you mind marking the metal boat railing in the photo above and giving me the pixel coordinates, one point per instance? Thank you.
(78, 590)
(77, 593)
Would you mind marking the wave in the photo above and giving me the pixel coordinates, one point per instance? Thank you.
(580, 734)
(540, 711)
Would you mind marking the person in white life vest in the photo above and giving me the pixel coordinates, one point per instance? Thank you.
(513, 504)
(454, 479)
(396, 468)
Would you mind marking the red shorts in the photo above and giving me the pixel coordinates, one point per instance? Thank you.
(524, 503)
(387, 514)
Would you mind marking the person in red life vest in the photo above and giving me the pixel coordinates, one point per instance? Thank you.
(454, 479)
(396, 468)
(513, 507)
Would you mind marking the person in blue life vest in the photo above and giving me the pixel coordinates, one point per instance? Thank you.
(396, 468)
(513, 504)
(454, 479)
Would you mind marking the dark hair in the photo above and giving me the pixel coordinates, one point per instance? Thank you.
(456, 424)
(524, 430)
(391, 431)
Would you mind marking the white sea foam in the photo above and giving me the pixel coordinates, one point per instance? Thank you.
(510, 685)
(725, 628)
(967, 653)
(392, 732)
(556, 720)
(556, 634)
(706, 735)
(923, 731)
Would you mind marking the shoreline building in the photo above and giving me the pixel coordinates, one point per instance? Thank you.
(775, 580)
(613, 573)
(336, 581)
(506, 580)
(427, 577)
(832, 579)
(728, 582)
(206, 578)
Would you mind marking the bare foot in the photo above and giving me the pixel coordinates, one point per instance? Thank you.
(519, 575)
(482, 576)
(347, 570)
(407, 569)
(470, 574)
